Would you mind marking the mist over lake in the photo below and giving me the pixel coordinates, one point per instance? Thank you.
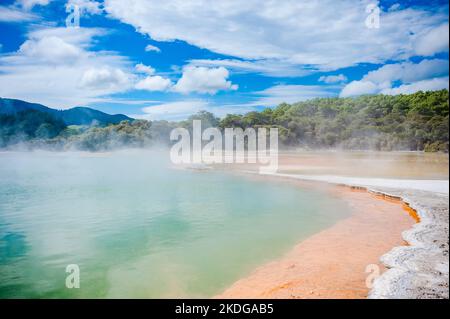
(139, 228)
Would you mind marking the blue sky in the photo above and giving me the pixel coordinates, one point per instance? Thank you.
(166, 60)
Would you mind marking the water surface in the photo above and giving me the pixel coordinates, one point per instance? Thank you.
(138, 228)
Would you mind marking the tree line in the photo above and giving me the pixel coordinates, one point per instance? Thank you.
(415, 122)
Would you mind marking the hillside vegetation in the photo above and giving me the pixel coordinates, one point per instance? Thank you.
(73, 116)
(413, 122)
(416, 122)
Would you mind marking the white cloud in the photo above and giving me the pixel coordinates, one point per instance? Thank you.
(394, 7)
(151, 82)
(425, 85)
(29, 4)
(11, 14)
(150, 48)
(55, 67)
(141, 68)
(204, 80)
(80, 37)
(323, 34)
(291, 94)
(173, 111)
(181, 110)
(434, 41)
(104, 79)
(268, 67)
(409, 74)
(51, 49)
(333, 79)
(273, 96)
(222, 110)
(154, 83)
(86, 6)
(359, 88)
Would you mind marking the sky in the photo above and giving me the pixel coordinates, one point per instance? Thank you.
(156, 60)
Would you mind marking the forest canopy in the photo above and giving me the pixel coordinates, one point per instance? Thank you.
(415, 122)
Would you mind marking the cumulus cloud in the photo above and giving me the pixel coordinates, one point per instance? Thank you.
(151, 82)
(316, 33)
(56, 67)
(11, 14)
(82, 37)
(204, 80)
(356, 88)
(412, 76)
(152, 48)
(104, 78)
(425, 85)
(193, 80)
(51, 49)
(333, 79)
(154, 83)
(434, 41)
(141, 68)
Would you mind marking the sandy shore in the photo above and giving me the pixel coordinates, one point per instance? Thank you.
(333, 263)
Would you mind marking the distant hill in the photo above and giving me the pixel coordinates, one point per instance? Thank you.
(74, 116)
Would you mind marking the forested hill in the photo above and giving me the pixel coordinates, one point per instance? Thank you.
(413, 122)
(416, 122)
(74, 116)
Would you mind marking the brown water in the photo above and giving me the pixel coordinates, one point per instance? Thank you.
(411, 165)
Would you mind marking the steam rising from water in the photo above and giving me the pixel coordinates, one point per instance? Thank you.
(138, 228)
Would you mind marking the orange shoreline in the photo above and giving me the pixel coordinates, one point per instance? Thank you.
(332, 264)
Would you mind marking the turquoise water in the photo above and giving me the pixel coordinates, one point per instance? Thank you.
(140, 229)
